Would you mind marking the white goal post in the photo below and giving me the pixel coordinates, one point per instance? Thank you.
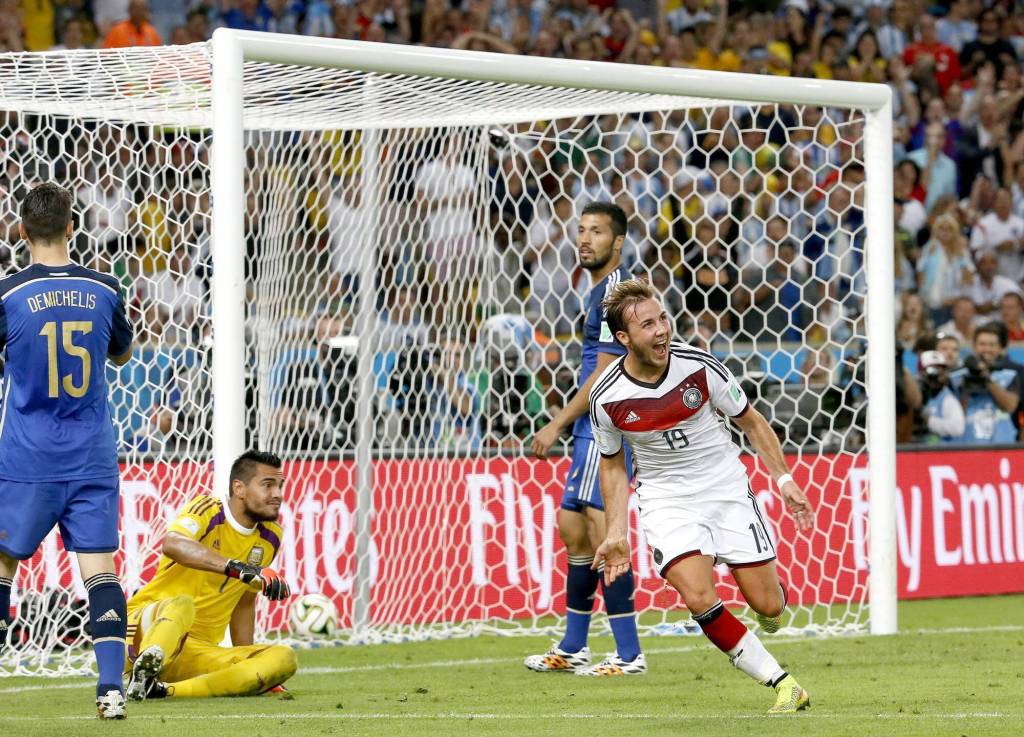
(362, 256)
(232, 48)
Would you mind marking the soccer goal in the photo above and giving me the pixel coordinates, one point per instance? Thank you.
(361, 256)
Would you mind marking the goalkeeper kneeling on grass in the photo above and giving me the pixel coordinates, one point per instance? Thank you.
(214, 563)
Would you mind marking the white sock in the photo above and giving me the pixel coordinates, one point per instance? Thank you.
(751, 657)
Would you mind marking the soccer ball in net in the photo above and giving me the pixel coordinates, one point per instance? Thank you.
(313, 615)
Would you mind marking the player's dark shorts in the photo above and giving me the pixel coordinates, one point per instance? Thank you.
(86, 512)
(583, 484)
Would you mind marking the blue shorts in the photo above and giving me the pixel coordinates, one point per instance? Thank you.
(86, 512)
(583, 484)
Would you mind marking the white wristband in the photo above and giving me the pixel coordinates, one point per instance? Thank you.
(781, 481)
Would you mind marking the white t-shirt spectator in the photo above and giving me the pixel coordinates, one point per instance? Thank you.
(914, 217)
(180, 294)
(345, 226)
(989, 295)
(989, 232)
(680, 19)
(106, 210)
(449, 186)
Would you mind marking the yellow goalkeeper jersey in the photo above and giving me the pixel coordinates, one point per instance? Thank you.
(209, 521)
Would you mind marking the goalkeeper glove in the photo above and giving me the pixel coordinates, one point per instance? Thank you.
(275, 587)
(244, 572)
(272, 585)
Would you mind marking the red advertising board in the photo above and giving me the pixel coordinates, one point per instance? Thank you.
(465, 539)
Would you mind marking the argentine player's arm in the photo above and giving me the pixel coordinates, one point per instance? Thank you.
(119, 351)
(575, 408)
(243, 620)
(192, 554)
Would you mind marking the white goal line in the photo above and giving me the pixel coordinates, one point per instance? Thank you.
(508, 660)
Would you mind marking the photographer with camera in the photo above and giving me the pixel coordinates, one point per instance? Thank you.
(989, 388)
(942, 413)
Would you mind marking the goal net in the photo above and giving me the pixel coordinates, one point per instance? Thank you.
(412, 294)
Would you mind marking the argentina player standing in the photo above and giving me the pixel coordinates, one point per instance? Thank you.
(581, 526)
(59, 324)
(669, 401)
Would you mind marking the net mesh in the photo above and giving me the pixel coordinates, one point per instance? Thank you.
(464, 195)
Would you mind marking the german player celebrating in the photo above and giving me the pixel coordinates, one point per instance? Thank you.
(215, 561)
(669, 401)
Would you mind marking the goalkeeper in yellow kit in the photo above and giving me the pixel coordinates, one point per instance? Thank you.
(215, 558)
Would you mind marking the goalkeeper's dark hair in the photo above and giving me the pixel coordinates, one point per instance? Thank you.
(46, 212)
(244, 467)
(613, 211)
(621, 298)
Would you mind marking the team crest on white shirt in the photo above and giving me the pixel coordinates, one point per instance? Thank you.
(692, 397)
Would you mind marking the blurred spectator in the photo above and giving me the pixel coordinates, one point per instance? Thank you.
(945, 269)
(1001, 231)
(913, 324)
(938, 171)
(708, 276)
(400, 324)
(551, 252)
(989, 390)
(435, 399)
(941, 410)
(987, 47)
(179, 293)
(135, 30)
(963, 321)
(949, 346)
(37, 19)
(930, 57)
(772, 303)
(72, 36)
(957, 29)
(1011, 312)
(989, 285)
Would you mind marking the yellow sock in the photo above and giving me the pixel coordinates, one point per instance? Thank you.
(267, 668)
(172, 619)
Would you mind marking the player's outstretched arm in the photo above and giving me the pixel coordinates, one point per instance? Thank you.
(193, 554)
(766, 445)
(576, 407)
(614, 551)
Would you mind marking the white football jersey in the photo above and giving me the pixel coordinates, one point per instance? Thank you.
(680, 443)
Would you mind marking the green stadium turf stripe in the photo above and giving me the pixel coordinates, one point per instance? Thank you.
(519, 716)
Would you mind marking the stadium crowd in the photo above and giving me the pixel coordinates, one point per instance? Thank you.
(754, 228)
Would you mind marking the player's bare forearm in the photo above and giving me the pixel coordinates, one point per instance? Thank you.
(767, 447)
(243, 620)
(191, 554)
(614, 551)
(615, 490)
(764, 442)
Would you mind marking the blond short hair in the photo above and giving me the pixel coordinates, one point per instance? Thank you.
(621, 297)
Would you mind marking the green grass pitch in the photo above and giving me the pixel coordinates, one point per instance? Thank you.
(957, 668)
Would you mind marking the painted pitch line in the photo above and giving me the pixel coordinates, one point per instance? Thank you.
(324, 670)
(514, 716)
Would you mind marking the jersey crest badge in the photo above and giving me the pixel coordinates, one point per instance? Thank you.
(255, 556)
(692, 397)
